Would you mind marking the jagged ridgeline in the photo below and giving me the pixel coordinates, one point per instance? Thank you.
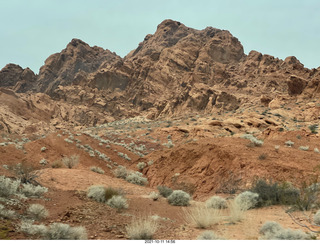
(174, 71)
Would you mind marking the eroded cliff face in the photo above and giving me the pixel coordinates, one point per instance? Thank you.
(176, 70)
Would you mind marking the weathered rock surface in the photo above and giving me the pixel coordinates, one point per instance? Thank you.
(17, 78)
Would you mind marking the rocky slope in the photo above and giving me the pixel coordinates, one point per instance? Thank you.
(176, 70)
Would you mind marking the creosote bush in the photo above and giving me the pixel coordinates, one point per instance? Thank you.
(246, 200)
(71, 161)
(216, 202)
(179, 198)
(274, 193)
(164, 191)
(142, 228)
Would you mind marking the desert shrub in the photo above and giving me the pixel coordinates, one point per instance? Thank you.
(118, 202)
(202, 217)
(254, 141)
(5, 213)
(216, 202)
(8, 186)
(97, 193)
(110, 192)
(262, 156)
(164, 191)
(141, 165)
(289, 143)
(136, 178)
(236, 213)
(309, 197)
(30, 229)
(71, 161)
(247, 200)
(97, 170)
(26, 174)
(30, 190)
(141, 229)
(277, 147)
(274, 231)
(154, 196)
(120, 172)
(37, 212)
(316, 218)
(179, 198)
(208, 235)
(56, 164)
(304, 148)
(273, 193)
(59, 231)
(313, 128)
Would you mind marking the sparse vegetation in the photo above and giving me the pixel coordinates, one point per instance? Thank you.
(97, 170)
(236, 212)
(136, 178)
(164, 191)
(59, 231)
(6, 213)
(141, 165)
(154, 195)
(208, 235)
(120, 172)
(30, 190)
(289, 143)
(71, 161)
(141, 229)
(118, 202)
(246, 200)
(304, 148)
(254, 141)
(179, 198)
(97, 193)
(8, 186)
(274, 193)
(202, 217)
(313, 128)
(37, 212)
(274, 231)
(216, 202)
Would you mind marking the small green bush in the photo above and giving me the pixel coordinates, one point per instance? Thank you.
(164, 191)
(141, 165)
(30, 190)
(6, 214)
(179, 198)
(8, 186)
(37, 212)
(136, 178)
(273, 193)
(97, 170)
(246, 200)
(118, 202)
(216, 202)
(120, 172)
(97, 193)
(59, 231)
(274, 231)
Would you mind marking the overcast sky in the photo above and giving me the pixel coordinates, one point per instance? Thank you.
(31, 30)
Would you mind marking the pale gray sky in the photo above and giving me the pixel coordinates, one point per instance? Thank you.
(34, 29)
